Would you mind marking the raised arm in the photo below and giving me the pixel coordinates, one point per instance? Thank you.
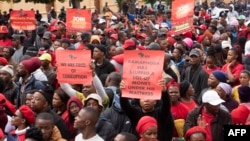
(99, 87)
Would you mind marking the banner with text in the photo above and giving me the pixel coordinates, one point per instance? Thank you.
(23, 20)
(182, 15)
(142, 71)
(73, 66)
(78, 20)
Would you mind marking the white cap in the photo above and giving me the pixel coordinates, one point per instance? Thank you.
(212, 97)
(113, 17)
(101, 21)
(95, 97)
(225, 44)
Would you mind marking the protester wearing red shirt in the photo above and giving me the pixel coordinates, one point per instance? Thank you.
(210, 66)
(187, 93)
(233, 67)
(178, 109)
(4, 41)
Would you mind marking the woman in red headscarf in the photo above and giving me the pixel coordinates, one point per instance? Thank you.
(147, 128)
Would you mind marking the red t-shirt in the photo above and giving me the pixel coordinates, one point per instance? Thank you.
(208, 119)
(179, 111)
(236, 69)
(190, 105)
(209, 71)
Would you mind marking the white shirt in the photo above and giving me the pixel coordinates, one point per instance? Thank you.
(95, 138)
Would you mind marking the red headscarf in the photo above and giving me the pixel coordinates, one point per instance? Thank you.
(144, 123)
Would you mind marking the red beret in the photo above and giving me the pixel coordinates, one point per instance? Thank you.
(144, 123)
(195, 129)
(240, 114)
(28, 114)
(3, 61)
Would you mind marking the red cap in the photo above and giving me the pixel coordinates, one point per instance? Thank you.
(128, 43)
(203, 27)
(195, 129)
(3, 61)
(114, 36)
(143, 35)
(3, 29)
(28, 114)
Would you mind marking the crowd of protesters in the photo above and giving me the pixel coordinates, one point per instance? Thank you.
(205, 81)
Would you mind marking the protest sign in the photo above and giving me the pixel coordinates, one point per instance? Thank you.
(142, 71)
(23, 20)
(182, 15)
(73, 66)
(78, 20)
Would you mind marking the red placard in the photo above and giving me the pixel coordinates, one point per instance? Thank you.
(73, 66)
(78, 20)
(23, 20)
(182, 15)
(142, 71)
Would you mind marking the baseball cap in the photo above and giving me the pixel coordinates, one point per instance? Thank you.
(225, 44)
(95, 97)
(241, 17)
(202, 27)
(101, 21)
(45, 56)
(47, 35)
(212, 97)
(128, 43)
(114, 36)
(194, 52)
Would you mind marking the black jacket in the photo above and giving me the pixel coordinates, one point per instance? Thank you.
(217, 130)
(105, 129)
(105, 68)
(162, 114)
